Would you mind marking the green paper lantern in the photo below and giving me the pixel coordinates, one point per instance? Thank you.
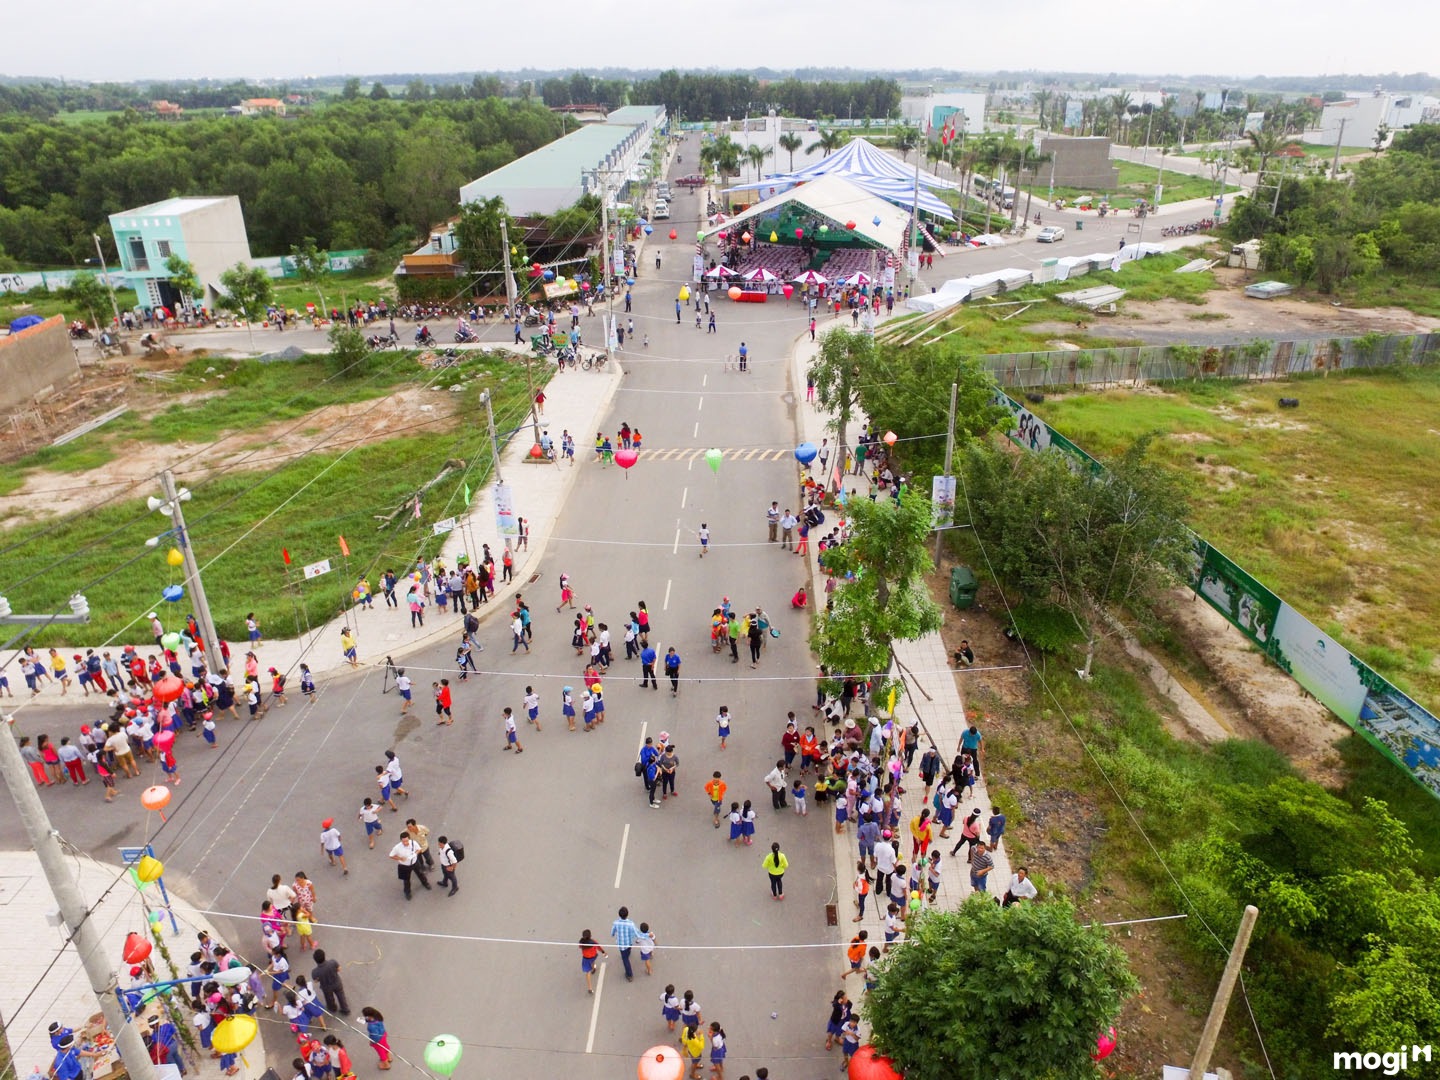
(442, 1054)
(713, 457)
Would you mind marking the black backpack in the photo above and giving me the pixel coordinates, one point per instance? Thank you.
(458, 850)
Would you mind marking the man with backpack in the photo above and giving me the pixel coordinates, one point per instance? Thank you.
(450, 857)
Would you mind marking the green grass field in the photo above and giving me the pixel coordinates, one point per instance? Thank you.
(338, 289)
(1332, 505)
(241, 520)
(1138, 182)
(13, 305)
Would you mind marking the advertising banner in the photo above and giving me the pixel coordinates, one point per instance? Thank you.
(942, 501)
(505, 523)
(315, 569)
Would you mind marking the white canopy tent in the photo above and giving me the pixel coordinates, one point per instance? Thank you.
(837, 201)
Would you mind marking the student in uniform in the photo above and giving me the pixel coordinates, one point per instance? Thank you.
(370, 815)
(448, 861)
(590, 950)
(717, 1038)
(670, 1006)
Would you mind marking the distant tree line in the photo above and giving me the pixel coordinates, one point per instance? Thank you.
(697, 96)
(354, 174)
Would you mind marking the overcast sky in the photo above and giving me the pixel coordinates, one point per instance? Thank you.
(95, 40)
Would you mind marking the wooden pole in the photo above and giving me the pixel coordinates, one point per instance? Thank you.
(1211, 1033)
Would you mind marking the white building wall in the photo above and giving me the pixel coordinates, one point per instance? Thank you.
(215, 238)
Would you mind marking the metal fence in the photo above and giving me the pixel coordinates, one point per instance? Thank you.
(1260, 359)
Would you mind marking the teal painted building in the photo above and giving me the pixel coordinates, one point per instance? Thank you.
(207, 232)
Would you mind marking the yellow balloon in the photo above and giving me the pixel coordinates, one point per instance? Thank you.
(774, 237)
(173, 557)
(149, 868)
(234, 1034)
(684, 293)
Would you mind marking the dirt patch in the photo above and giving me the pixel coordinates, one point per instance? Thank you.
(1266, 704)
(332, 428)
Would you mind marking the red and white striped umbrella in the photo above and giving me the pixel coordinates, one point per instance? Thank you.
(857, 278)
(720, 272)
(811, 277)
(761, 274)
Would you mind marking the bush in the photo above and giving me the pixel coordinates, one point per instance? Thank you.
(1047, 627)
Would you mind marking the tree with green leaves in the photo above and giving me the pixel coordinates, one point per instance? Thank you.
(247, 293)
(839, 370)
(906, 138)
(985, 991)
(88, 295)
(183, 277)
(312, 266)
(722, 155)
(790, 142)
(351, 90)
(886, 600)
(348, 351)
(1090, 540)
(830, 140)
(756, 155)
(481, 247)
(913, 399)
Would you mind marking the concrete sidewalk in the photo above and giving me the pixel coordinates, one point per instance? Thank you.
(933, 698)
(33, 993)
(575, 402)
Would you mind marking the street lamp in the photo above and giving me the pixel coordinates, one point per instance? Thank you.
(170, 505)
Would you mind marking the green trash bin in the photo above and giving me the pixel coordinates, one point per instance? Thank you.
(963, 587)
(1079, 225)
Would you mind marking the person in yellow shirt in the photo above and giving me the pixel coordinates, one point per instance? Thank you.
(775, 865)
(694, 1044)
(715, 788)
(347, 646)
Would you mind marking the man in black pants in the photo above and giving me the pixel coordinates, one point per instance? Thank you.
(327, 976)
(407, 859)
(775, 781)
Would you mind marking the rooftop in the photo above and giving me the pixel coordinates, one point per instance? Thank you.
(172, 207)
(557, 164)
(632, 114)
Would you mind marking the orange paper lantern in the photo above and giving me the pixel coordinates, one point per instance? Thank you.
(661, 1063)
(155, 798)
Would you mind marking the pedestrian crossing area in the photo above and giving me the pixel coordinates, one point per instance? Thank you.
(690, 453)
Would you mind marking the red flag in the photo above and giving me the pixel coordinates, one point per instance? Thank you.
(344, 548)
(285, 554)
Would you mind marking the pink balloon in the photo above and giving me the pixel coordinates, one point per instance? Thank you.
(626, 458)
(723, 234)
(164, 740)
(799, 234)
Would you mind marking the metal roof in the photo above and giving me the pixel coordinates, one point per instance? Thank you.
(555, 165)
(172, 207)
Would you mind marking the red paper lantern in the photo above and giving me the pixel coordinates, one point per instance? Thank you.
(869, 1064)
(799, 234)
(745, 238)
(788, 290)
(723, 234)
(673, 234)
(168, 689)
(136, 949)
(850, 225)
(164, 741)
(1105, 1044)
(626, 458)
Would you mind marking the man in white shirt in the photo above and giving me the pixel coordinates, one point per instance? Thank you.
(1021, 887)
(787, 530)
(448, 862)
(775, 781)
(884, 862)
(407, 860)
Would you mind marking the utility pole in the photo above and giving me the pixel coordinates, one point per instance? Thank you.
(949, 457)
(1339, 140)
(510, 301)
(172, 506)
(1279, 183)
(1211, 1033)
(83, 932)
(104, 270)
(490, 426)
(607, 249)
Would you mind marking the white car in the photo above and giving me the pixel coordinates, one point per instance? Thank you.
(1049, 234)
(662, 211)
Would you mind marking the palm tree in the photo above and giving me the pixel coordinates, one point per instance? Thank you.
(722, 155)
(830, 140)
(1042, 101)
(1267, 141)
(1089, 112)
(1199, 103)
(906, 138)
(791, 141)
(756, 156)
(1119, 108)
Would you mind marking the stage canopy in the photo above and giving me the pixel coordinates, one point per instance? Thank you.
(868, 167)
(831, 201)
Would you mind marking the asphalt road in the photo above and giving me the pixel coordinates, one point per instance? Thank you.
(558, 837)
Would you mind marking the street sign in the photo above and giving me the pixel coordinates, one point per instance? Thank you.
(315, 569)
(440, 528)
